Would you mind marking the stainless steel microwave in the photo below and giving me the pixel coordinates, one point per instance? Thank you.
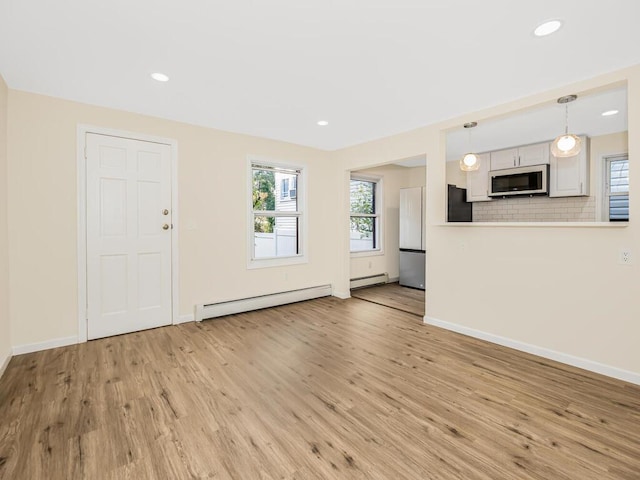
(533, 180)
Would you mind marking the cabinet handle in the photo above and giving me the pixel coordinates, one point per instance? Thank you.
(581, 187)
(514, 160)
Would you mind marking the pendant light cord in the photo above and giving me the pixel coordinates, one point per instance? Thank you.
(566, 118)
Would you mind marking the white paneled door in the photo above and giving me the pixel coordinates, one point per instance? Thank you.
(128, 235)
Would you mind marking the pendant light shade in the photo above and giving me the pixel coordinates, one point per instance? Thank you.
(470, 161)
(566, 145)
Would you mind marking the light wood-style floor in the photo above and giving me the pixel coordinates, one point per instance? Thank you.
(393, 295)
(325, 389)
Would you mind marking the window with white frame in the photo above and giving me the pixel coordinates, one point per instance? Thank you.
(616, 199)
(364, 200)
(276, 212)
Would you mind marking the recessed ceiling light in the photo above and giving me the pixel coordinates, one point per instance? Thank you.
(160, 77)
(547, 28)
(608, 113)
(323, 123)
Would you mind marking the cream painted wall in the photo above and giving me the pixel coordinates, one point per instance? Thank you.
(5, 330)
(416, 177)
(213, 199)
(455, 176)
(572, 273)
(394, 178)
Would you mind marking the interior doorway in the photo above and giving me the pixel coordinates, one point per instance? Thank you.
(375, 224)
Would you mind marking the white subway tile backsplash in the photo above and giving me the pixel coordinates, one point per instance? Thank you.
(540, 209)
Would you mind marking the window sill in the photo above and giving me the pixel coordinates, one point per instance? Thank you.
(367, 253)
(276, 262)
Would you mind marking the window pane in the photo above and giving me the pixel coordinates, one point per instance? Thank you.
(286, 199)
(275, 236)
(362, 197)
(363, 233)
(619, 208)
(274, 191)
(619, 176)
(264, 188)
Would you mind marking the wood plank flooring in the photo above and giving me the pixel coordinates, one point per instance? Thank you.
(324, 389)
(393, 295)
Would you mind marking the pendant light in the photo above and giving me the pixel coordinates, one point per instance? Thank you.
(567, 145)
(470, 161)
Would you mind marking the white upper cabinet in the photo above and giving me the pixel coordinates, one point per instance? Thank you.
(501, 159)
(536, 154)
(478, 181)
(569, 177)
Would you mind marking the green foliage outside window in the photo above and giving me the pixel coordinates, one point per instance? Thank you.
(362, 202)
(264, 198)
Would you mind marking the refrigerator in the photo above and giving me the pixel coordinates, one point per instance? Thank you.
(412, 238)
(458, 209)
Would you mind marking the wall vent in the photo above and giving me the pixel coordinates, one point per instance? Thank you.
(220, 309)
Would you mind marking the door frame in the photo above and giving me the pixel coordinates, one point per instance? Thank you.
(83, 130)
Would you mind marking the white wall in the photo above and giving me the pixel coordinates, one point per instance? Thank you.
(5, 333)
(394, 178)
(455, 176)
(213, 203)
(562, 301)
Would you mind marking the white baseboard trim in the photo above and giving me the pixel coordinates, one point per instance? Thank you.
(4, 362)
(393, 280)
(36, 347)
(231, 307)
(189, 317)
(377, 279)
(585, 364)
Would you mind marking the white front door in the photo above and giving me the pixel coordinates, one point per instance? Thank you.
(128, 235)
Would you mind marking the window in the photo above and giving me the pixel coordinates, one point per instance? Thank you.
(617, 189)
(364, 235)
(276, 213)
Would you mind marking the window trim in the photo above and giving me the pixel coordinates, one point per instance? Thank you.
(301, 214)
(378, 202)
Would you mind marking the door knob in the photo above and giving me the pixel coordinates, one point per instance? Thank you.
(165, 212)
(165, 226)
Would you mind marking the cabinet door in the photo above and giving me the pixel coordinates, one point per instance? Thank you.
(478, 181)
(501, 159)
(537, 154)
(411, 218)
(569, 177)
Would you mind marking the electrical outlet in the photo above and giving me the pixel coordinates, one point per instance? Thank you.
(625, 257)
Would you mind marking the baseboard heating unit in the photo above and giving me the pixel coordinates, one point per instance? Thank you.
(220, 309)
(369, 281)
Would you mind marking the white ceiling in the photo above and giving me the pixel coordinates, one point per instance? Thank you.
(273, 68)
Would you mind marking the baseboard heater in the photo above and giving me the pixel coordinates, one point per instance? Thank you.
(220, 309)
(369, 281)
